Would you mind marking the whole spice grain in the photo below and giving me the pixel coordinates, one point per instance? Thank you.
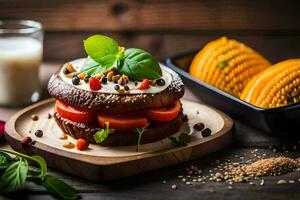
(273, 166)
(116, 78)
(174, 187)
(206, 132)
(199, 126)
(38, 133)
(185, 118)
(34, 117)
(110, 75)
(281, 181)
(26, 140)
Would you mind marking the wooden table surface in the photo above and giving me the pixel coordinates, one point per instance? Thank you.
(151, 185)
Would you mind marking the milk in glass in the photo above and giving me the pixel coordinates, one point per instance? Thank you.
(20, 58)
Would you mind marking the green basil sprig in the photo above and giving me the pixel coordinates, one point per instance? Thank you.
(14, 171)
(182, 140)
(101, 135)
(104, 54)
(140, 132)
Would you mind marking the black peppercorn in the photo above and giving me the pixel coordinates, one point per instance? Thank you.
(160, 82)
(66, 71)
(117, 87)
(86, 78)
(75, 80)
(38, 133)
(136, 83)
(206, 132)
(199, 126)
(103, 79)
(126, 87)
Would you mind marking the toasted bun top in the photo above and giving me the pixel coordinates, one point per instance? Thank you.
(74, 96)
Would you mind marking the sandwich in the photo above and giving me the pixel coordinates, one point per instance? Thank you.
(116, 96)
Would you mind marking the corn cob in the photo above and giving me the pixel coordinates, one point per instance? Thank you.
(279, 85)
(228, 65)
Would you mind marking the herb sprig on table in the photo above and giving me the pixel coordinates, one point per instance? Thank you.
(15, 171)
(104, 54)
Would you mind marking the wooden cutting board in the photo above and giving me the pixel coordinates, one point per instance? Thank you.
(99, 163)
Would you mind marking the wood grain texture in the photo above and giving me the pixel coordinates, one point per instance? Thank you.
(162, 27)
(108, 166)
(68, 46)
(156, 14)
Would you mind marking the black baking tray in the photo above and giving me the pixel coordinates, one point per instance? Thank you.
(281, 121)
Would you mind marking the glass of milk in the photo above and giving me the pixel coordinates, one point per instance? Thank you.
(21, 50)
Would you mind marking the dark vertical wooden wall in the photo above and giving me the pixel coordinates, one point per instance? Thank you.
(162, 27)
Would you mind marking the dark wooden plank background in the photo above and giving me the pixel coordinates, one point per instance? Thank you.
(162, 27)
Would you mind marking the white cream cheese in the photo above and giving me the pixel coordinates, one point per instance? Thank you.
(109, 87)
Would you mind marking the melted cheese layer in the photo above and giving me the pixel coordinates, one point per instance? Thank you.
(109, 87)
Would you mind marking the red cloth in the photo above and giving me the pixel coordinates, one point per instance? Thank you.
(2, 124)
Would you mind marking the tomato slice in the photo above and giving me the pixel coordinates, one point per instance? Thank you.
(73, 113)
(164, 114)
(123, 122)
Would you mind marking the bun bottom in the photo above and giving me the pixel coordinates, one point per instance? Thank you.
(155, 132)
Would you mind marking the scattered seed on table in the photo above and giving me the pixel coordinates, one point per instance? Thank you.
(281, 181)
(291, 181)
(174, 187)
(49, 116)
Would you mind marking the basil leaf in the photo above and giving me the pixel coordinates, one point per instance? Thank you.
(182, 139)
(139, 64)
(41, 161)
(101, 135)
(37, 159)
(102, 49)
(59, 189)
(91, 67)
(89, 64)
(4, 160)
(14, 176)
